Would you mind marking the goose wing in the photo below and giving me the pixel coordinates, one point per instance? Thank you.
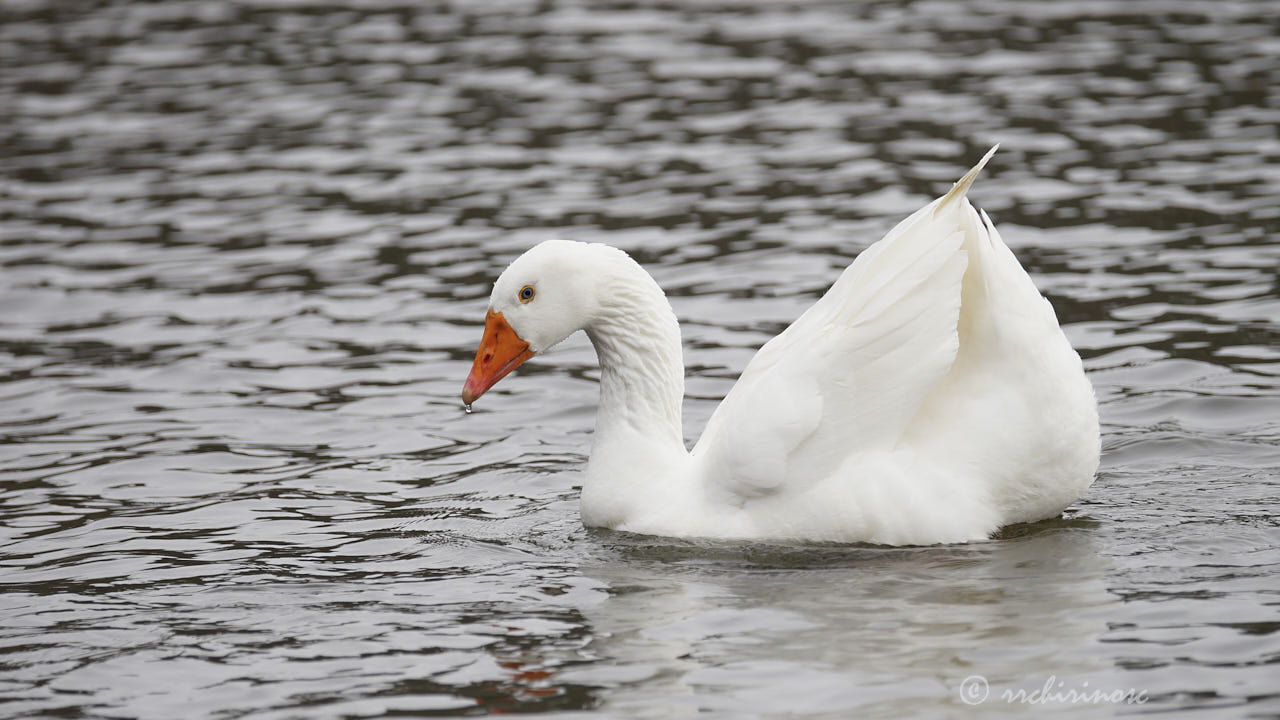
(852, 371)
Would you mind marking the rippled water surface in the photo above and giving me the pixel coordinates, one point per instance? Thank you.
(246, 251)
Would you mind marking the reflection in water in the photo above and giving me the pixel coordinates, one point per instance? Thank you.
(873, 629)
(244, 254)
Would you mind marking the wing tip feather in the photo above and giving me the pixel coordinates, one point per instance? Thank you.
(962, 185)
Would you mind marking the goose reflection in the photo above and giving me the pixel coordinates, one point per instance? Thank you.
(883, 630)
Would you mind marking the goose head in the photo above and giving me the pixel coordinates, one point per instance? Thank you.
(543, 297)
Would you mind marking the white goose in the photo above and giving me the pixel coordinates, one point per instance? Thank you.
(929, 397)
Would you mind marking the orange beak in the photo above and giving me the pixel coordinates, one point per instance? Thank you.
(501, 351)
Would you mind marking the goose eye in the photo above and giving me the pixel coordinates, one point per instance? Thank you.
(526, 293)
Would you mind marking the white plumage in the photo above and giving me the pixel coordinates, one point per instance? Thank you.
(929, 396)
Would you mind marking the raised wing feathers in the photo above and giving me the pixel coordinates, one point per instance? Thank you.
(851, 372)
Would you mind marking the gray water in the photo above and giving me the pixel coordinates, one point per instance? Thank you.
(246, 252)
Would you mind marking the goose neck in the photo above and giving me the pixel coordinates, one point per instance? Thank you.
(637, 342)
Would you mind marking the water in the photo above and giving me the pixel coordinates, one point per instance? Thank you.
(246, 249)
